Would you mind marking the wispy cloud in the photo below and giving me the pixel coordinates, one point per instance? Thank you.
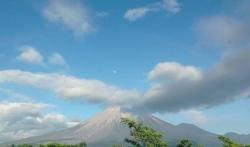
(170, 6)
(173, 86)
(71, 88)
(29, 54)
(71, 14)
(15, 96)
(57, 59)
(195, 116)
(136, 13)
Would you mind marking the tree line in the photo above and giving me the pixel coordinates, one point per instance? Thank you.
(143, 136)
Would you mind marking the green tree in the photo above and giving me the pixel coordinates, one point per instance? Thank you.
(83, 144)
(25, 145)
(143, 136)
(227, 142)
(185, 143)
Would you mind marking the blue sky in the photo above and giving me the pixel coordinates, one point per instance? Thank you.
(131, 52)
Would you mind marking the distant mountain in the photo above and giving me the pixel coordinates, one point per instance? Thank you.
(105, 129)
(242, 138)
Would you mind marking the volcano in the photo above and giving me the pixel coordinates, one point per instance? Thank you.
(105, 129)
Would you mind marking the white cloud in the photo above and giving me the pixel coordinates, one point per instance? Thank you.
(176, 87)
(196, 116)
(135, 14)
(71, 14)
(170, 6)
(166, 74)
(30, 55)
(21, 120)
(225, 82)
(174, 71)
(57, 59)
(71, 88)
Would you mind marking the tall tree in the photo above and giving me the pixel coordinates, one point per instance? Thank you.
(143, 136)
(185, 143)
(227, 142)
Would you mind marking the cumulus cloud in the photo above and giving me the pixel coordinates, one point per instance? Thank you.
(174, 71)
(57, 59)
(175, 87)
(170, 6)
(30, 55)
(225, 82)
(71, 88)
(21, 120)
(71, 14)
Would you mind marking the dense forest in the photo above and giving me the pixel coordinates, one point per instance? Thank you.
(142, 136)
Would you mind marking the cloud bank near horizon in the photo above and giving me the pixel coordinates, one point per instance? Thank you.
(24, 119)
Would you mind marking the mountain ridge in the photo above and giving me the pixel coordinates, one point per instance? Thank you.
(105, 129)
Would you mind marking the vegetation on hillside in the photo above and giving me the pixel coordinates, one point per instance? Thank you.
(185, 143)
(227, 142)
(142, 136)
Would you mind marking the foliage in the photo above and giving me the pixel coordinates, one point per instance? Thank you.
(227, 142)
(143, 136)
(25, 145)
(185, 143)
(188, 143)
